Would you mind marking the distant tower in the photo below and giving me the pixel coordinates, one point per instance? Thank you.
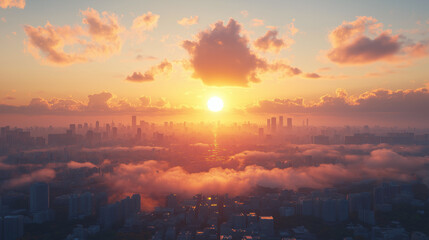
(268, 124)
(39, 197)
(307, 122)
(139, 133)
(97, 125)
(133, 121)
(289, 123)
(273, 124)
(261, 132)
(114, 132)
(280, 122)
(108, 129)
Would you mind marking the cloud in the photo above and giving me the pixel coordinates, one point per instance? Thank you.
(147, 21)
(364, 41)
(12, 3)
(292, 29)
(98, 102)
(312, 75)
(164, 67)
(100, 39)
(220, 56)
(410, 102)
(245, 13)
(42, 175)
(188, 21)
(145, 100)
(270, 42)
(330, 165)
(257, 22)
(103, 103)
(75, 165)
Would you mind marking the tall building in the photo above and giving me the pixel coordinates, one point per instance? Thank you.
(114, 132)
(289, 123)
(261, 132)
(133, 121)
(39, 197)
(108, 129)
(13, 227)
(139, 134)
(273, 124)
(97, 125)
(280, 122)
(268, 124)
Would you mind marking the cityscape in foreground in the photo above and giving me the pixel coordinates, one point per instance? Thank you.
(145, 180)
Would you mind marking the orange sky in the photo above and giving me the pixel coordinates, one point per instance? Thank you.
(365, 61)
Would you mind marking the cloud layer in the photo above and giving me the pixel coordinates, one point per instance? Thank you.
(97, 39)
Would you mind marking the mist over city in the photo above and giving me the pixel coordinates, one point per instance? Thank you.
(195, 120)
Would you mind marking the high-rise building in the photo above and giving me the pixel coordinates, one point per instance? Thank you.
(273, 124)
(97, 125)
(139, 134)
(266, 224)
(136, 202)
(39, 197)
(133, 121)
(114, 132)
(261, 132)
(280, 122)
(268, 124)
(73, 128)
(289, 123)
(13, 227)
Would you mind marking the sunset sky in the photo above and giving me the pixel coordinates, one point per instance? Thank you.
(320, 58)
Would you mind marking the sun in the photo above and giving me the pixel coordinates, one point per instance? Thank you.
(215, 104)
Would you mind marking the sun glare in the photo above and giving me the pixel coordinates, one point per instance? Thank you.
(215, 104)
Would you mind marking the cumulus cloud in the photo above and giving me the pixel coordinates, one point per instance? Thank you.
(188, 21)
(147, 21)
(145, 100)
(99, 38)
(220, 56)
(12, 3)
(270, 42)
(164, 67)
(364, 41)
(98, 101)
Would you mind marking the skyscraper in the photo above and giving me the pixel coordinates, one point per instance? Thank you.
(13, 227)
(39, 197)
(280, 122)
(97, 125)
(133, 121)
(273, 124)
(139, 134)
(268, 124)
(289, 123)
